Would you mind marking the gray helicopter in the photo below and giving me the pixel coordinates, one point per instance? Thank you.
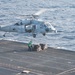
(30, 25)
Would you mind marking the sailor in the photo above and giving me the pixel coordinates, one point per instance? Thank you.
(30, 45)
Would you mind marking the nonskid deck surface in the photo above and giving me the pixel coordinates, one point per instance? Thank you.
(15, 58)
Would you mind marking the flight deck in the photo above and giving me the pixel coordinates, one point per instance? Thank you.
(15, 59)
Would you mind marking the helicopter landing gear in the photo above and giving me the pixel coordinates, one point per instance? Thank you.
(4, 34)
(44, 34)
(34, 35)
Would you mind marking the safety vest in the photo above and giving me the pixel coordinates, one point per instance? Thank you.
(30, 43)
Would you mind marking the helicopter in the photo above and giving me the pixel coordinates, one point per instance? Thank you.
(30, 25)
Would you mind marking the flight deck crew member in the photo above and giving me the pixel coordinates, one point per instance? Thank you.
(30, 45)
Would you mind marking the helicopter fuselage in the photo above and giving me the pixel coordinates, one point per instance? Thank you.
(29, 26)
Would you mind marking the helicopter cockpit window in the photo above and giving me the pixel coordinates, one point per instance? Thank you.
(28, 28)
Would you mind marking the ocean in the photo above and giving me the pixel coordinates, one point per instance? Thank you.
(60, 13)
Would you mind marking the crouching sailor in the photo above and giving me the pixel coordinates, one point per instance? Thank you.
(30, 45)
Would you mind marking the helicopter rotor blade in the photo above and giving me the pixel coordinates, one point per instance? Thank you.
(39, 12)
(19, 16)
(35, 15)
